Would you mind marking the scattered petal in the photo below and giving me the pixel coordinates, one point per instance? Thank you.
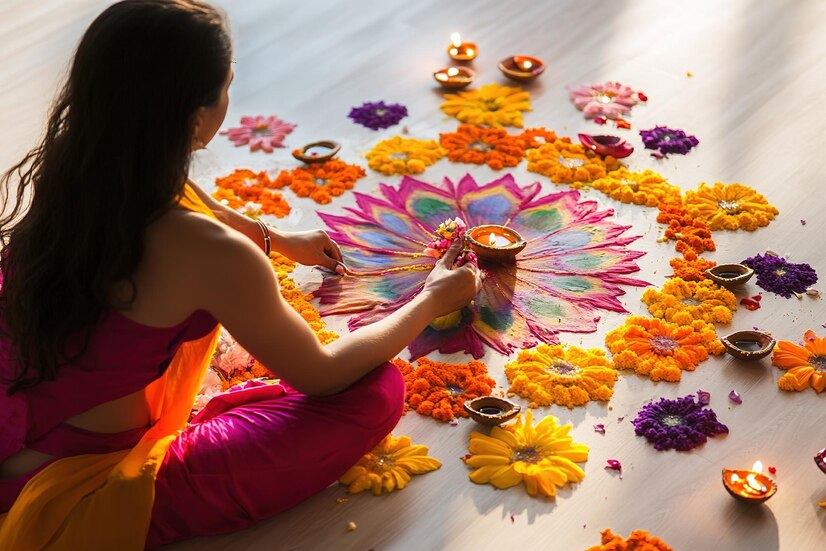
(773, 470)
(735, 397)
(750, 304)
(703, 397)
(813, 293)
(802, 222)
(351, 526)
(642, 96)
(600, 428)
(342, 500)
(513, 519)
(622, 123)
(689, 74)
(620, 419)
(614, 465)
(600, 120)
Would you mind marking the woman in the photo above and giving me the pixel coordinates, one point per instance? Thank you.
(115, 280)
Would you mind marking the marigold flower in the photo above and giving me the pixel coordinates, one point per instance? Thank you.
(244, 186)
(531, 137)
(730, 207)
(564, 162)
(321, 181)
(688, 231)
(661, 350)
(491, 105)
(639, 540)
(564, 375)
(491, 146)
(805, 365)
(541, 456)
(388, 467)
(399, 155)
(682, 302)
(640, 188)
(691, 267)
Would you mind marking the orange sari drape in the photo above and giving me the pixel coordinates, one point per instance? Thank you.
(104, 501)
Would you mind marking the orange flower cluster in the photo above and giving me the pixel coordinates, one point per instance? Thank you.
(730, 207)
(639, 540)
(245, 186)
(692, 236)
(529, 137)
(805, 366)
(564, 162)
(439, 390)
(321, 181)
(491, 146)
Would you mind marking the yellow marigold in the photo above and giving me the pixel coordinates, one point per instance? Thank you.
(541, 456)
(661, 350)
(565, 163)
(556, 374)
(639, 540)
(491, 105)
(682, 302)
(639, 188)
(399, 155)
(730, 207)
(805, 365)
(491, 146)
(388, 467)
(321, 181)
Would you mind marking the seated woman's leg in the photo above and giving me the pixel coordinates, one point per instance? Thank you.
(257, 459)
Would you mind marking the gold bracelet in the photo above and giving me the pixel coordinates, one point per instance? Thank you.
(266, 232)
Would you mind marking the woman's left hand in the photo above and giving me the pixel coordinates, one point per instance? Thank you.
(311, 248)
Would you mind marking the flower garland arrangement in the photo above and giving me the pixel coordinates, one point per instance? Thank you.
(610, 100)
(639, 188)
(531, 137)
(491, 105)
(565, 163)
(682, 302)
(668, 140)
(639, 540)
(439, 390)
(541, 456)
(692, 237)
(243, 187)
(805, 365)
(447, 232)
(261, 133)
(375, 115)
(691, 267)
(399, 155)
(680, 424)
(661, 350)
(388, 467)
(321, 181)
(779, 276)
(476, 145)
(730, 207)
(563, 375)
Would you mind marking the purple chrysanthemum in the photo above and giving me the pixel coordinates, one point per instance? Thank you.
(680, 424)
(375, 115)
(668, 140)
(777, 275)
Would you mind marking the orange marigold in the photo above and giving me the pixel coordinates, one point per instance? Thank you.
(639, 188)
(805, 365)
(688, 231)
(439, 390)
(661, 350)
(564, 162)
(691, 267)
(245, 186)
(730, 207)
(321, 181)
(534, 137)
(682, 302)
(491, 146)
(639, 540)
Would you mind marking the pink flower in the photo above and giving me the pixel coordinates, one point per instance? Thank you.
(611, 100)
(260, 133)
(230, 357)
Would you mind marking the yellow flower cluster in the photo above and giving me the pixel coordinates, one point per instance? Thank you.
(565, 163)
(639, 188)
(399, 155)
(564, 375)
(388, 467)
(730, 207)
(682, 302)
(491, 105)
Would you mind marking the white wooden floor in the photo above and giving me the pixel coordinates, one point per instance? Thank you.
(755, 101)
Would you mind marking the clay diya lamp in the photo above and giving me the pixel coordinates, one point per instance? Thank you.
(820, 460)
(749, 345)
(454, 78)
(522, 67)
(495, 243)
(749, 486)
(607, 145)
(317, 152)
(461, 51)
(729, 274)
(491, 411)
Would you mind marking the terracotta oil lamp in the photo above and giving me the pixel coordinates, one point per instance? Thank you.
(729, 274)
(749, 486)
(495, 243)
(522, 67)
(454, 78)
(490, 410)
(607, 145)
(749, 345)
(317, 152)
(461, 51)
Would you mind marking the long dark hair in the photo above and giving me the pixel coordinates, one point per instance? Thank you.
(115, 156)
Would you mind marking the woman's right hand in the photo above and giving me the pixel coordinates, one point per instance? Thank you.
(449, 288)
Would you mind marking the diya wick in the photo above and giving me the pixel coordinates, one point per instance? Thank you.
(454, 78)
(461, 51)
(317, 152)
(749, 486)
(496, 243)
(522, 67)
(749, 345)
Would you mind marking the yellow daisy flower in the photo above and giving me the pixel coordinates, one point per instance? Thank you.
(730, 207)
(491, 105)
(682, 302)
(399, 155)
(541, 457)
(565, 163)
(388, 467)
(639, 188)
(564, 375)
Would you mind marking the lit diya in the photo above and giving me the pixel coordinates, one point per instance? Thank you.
(495, 243)
(461, 51)
(607, 145)
(521, 67)
(490, 410)
(749, 486)
(729, 274)
(454, 78)
(749, 345)
(317, 152)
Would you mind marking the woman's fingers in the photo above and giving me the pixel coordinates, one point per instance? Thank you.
(451, 253)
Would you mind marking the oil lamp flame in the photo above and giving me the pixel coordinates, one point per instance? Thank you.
(757, 467)
(456, 39)
(492, 239)
(452, 72)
